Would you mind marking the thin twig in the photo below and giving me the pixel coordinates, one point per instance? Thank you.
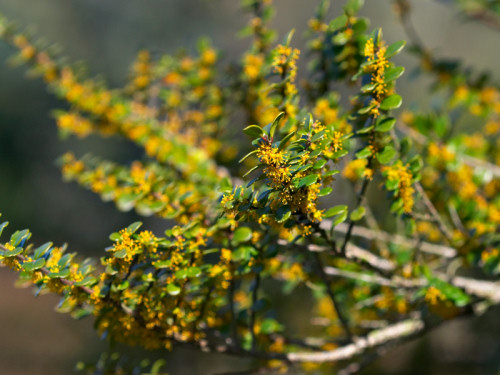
(326, 282)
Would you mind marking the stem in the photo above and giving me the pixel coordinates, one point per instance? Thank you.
(326, 282)
(253, 312)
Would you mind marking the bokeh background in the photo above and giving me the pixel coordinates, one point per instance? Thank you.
(107, 35)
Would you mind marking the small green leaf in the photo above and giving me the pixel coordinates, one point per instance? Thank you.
(243, 253)
(283, 213)
(391, 102)
(285, 140)
(40, 251)
(340, 219)
(353, 6)
(385, 125)
(132, 228)
(335, 210)
(248, 155)
(115, 236)
(395, 48)
(358, 213)
(368, 87)
(306, 181)
(89, 280)
(2, 226)
(173, 289)
(331, 173)
(35, 265)
(392, 74)
(194, 271)
(368, 129)
(275, 123)
(269, 326)
(386, 156)
(120, 254)
(318, 136)
(18, 236)
(338, 23)
(251, 170)
(11, 253)
(59, 275)
(254, 131)
(225, 185)
(319, 164)
(325, 191)
(364, 153)
(242, 234)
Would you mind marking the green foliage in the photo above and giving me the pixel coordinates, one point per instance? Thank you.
(237, 232)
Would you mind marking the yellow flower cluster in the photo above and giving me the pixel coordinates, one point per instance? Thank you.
(377, 69)
(402, 174)
(285, 63)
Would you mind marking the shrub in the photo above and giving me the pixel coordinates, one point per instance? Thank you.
(387, 260)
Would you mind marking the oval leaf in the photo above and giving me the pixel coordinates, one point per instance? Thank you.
(391, 102)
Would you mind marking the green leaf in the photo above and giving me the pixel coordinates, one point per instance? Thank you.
(254, 131)
(319, 164)
(331, 173)
(338, 23)
(251, 170)
(173, 289)
(242, 234)
(285, 140)
(2, 226)
(306, 181)
(395, 48)
(325, 191)
(194, 271)
(340, 219)
(35, 265)
(40, 251)
(335, 210)
(385, 125)
(59, 275)
(283, 213)
(11, 253)
(353, 6)
(368, 129)
(120, 254)
(358, 213)
(225, 185)
(18, 236)
(269, 326)
(318, 136)
(368, 87)
(391, 102)
(132, 228)
(248, 155)
(392, 74)
(89, 280)
(163, 263)
(364, 153)
(386, 156)
(243, 254)
(275, 123)
(115, 236)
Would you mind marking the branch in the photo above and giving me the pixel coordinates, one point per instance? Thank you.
(366, 233)
(398, 331)
(46, 272)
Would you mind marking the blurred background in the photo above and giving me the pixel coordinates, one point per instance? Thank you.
(107, 35)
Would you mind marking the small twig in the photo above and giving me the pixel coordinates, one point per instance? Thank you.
(361, 194)
(253, 312)
(46, 272)
(426, 247)
(326, 282)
